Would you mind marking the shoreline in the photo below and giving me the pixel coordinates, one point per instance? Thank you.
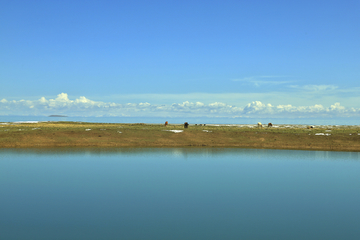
(140, 135)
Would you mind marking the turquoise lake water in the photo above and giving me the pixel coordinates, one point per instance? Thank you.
(179, 194)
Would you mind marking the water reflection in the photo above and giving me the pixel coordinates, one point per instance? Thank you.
(185, 152)
(178, 193)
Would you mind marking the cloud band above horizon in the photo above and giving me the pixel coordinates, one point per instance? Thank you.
(85, 107)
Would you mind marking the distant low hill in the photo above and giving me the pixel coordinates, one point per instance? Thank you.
(57, 116)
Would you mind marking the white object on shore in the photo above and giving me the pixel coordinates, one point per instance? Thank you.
(175, 131)
(88, 129)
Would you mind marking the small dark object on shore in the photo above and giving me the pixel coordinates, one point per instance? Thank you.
(166, 123)
(186, 125)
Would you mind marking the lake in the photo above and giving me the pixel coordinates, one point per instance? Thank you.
(181, 193)
(190, 120)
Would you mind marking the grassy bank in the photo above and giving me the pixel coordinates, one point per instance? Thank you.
(74, 134)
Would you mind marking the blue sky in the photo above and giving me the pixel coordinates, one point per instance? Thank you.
(158, 56)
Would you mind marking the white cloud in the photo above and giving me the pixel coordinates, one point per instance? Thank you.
(264, 80)
(315, 88)
(258, 107)
(337, 107)
(293, 96)
(83, 106)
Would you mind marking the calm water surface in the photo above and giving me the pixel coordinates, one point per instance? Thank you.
(179, 194)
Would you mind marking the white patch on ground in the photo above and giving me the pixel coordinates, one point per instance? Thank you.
(119, 132)
(88, 129)
(322, 134)
(35, 128)
(175, 131)
(206, 131)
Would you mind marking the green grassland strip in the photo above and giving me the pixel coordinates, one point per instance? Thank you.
(76, 134)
